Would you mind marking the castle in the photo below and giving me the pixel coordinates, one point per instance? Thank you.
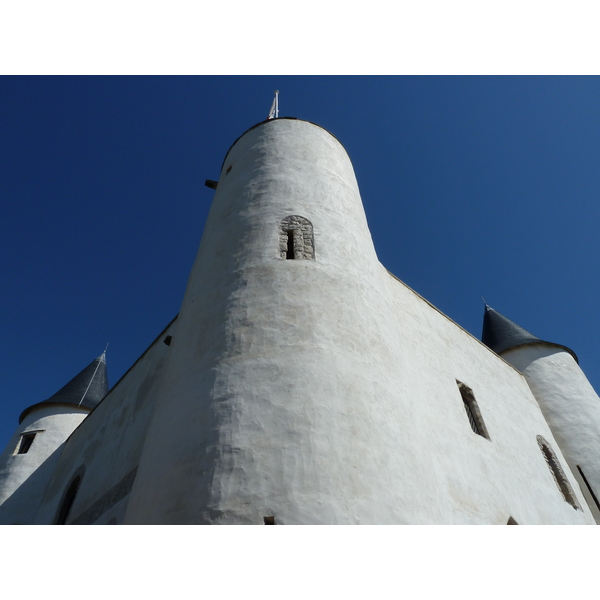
(302, 383)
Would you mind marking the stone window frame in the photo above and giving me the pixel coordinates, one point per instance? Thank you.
(302, 235)
(562, 483)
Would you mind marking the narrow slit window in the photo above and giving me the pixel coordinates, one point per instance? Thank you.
(557, 473)
(289, 254)
(25, 443)
(472, 410)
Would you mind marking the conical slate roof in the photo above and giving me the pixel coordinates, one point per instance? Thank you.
(500, 333)
(85, 389)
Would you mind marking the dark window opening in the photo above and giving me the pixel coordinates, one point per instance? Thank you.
(167, 340)
(511, 521)
(25, 443)
(471, 418)
(269, 520)
(290, 244)
(68, 499)
(557, 473)
(589, 487)
(472, 410)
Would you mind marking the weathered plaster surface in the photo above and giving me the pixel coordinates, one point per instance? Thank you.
(323, 391)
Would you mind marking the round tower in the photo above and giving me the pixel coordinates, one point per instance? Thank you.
(29, 456)
(266, 393)
(567, 399)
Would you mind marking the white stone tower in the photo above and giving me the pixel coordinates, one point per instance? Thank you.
(566, 397)
(29, 458)
(305, 384)
(261, 382)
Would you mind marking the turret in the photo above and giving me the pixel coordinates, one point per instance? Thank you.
(261, 374)
(566, 398)
(28, 459)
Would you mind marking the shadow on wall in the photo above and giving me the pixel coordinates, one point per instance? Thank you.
(21, 507)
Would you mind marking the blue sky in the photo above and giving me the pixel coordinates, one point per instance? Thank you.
(472, 186)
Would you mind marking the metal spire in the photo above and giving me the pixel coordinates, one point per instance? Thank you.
(274, 112)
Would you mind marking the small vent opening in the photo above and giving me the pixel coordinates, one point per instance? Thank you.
(168, 340)
(269, 520)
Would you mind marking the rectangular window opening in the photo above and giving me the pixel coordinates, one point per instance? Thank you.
(472, 410)
(269, 520)
(25, 443)
(290, 245)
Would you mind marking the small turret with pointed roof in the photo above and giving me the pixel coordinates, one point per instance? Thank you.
(43, 429)
(501, 334)
(566, 398)
(86, 389)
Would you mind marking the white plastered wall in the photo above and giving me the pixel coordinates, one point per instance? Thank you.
(471, 479)
(569, 404)
(324, 391)
(24, 476)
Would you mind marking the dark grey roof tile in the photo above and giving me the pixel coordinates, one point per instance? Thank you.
(500, 333)
(87, 388)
